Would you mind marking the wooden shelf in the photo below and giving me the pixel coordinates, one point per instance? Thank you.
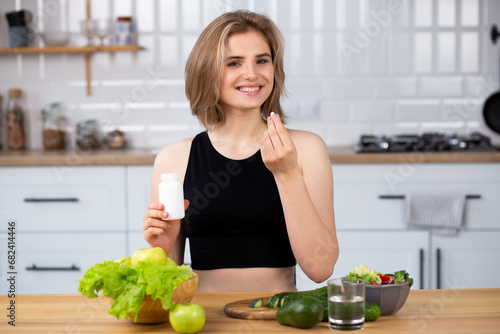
(87, 51)
(71, 49)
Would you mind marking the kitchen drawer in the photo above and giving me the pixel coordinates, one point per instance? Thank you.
(358, 189)
(136, 241)
(46, 199)
(50, 263)
(138, 184)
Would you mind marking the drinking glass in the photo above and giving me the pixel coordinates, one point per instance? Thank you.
(88, 28)
(346, 304)
(103, 29)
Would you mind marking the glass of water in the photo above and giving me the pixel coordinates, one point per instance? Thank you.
(346, 304)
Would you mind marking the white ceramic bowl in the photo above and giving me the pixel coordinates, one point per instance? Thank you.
(55, 38)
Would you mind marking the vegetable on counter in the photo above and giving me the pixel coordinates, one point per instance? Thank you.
(128, 285)
(372, 277)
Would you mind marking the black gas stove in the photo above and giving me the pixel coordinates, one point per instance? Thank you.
(427, 142)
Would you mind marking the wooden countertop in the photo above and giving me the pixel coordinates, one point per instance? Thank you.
(426, 311)
(338, 155)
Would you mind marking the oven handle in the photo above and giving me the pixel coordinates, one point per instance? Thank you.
(472, 196)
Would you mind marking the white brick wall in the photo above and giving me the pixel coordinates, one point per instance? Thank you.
(353, 66)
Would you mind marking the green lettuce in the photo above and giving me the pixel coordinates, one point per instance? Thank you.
(128, 285)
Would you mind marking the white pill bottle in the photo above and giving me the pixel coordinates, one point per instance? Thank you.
(171, 195)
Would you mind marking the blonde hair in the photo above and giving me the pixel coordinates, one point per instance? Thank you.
(205, 65)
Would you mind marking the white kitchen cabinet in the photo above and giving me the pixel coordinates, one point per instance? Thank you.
(51, 263)
(385, 251)
(367, 221)
(67, 219)
(74, 199)
(469, 260)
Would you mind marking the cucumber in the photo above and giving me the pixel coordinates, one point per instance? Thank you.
(277, 300)
(256, 303)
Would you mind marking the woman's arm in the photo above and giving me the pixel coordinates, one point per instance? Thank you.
(305, 184)
(167, 234)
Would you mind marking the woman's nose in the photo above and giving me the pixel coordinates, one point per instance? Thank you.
(249, 71)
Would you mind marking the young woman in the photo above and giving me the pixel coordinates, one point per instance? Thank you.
(259, 197)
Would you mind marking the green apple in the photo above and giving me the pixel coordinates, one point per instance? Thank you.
(171, 262)
(187, 318)
(127, 260)
(156, 255)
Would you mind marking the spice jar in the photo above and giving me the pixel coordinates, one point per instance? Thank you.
(116, 139)
(88, 134)
(125, 31)
(54, 127)
(16, 135)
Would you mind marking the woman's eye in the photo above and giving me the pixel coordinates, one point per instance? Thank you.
(233, 63)
(262, 61)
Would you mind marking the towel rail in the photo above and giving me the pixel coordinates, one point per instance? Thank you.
(473, 196)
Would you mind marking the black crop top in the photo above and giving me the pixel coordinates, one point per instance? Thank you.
(235, 218)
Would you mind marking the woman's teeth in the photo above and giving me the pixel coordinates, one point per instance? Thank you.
(248, 89)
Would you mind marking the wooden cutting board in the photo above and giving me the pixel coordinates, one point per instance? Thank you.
(239, 309)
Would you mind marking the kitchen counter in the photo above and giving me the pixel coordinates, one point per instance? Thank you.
(426, 311)
(338, 155)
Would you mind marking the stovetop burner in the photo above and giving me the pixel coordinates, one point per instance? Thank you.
(427, 142)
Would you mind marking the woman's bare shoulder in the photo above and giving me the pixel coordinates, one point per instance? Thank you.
(303, 139)
(174, 157)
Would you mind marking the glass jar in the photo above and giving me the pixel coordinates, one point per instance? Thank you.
(54, 127)
(88, 135)
(116, 139)
(16, 135)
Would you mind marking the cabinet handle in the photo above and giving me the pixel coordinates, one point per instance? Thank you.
(45, 200)
(72, 268)
(472, 196)
(421, 264)
(438, 268)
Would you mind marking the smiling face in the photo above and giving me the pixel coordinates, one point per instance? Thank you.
(248, 76)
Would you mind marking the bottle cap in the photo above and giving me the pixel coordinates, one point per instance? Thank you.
(169, 177)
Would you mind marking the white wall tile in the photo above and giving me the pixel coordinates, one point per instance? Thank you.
(372, 111)
(418, 110)
(347, 134)
(191, 15)
(469, 13)
(349, 88)
(446, 49)
(469, 52)
(145, 15)
(169, 20)
(422, 55)
(423, 13)
(400, 52)
(441, 87)
(331, 111)
(396, 87)
(446, 13)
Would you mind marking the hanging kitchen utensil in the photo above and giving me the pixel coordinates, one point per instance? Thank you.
(491, 108)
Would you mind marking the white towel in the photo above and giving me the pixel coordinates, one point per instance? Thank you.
(439, 213)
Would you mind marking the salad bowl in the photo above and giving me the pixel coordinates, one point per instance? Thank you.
(390, 297)
(152, 312)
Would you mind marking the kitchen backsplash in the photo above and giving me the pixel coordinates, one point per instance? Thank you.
(353, 66)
